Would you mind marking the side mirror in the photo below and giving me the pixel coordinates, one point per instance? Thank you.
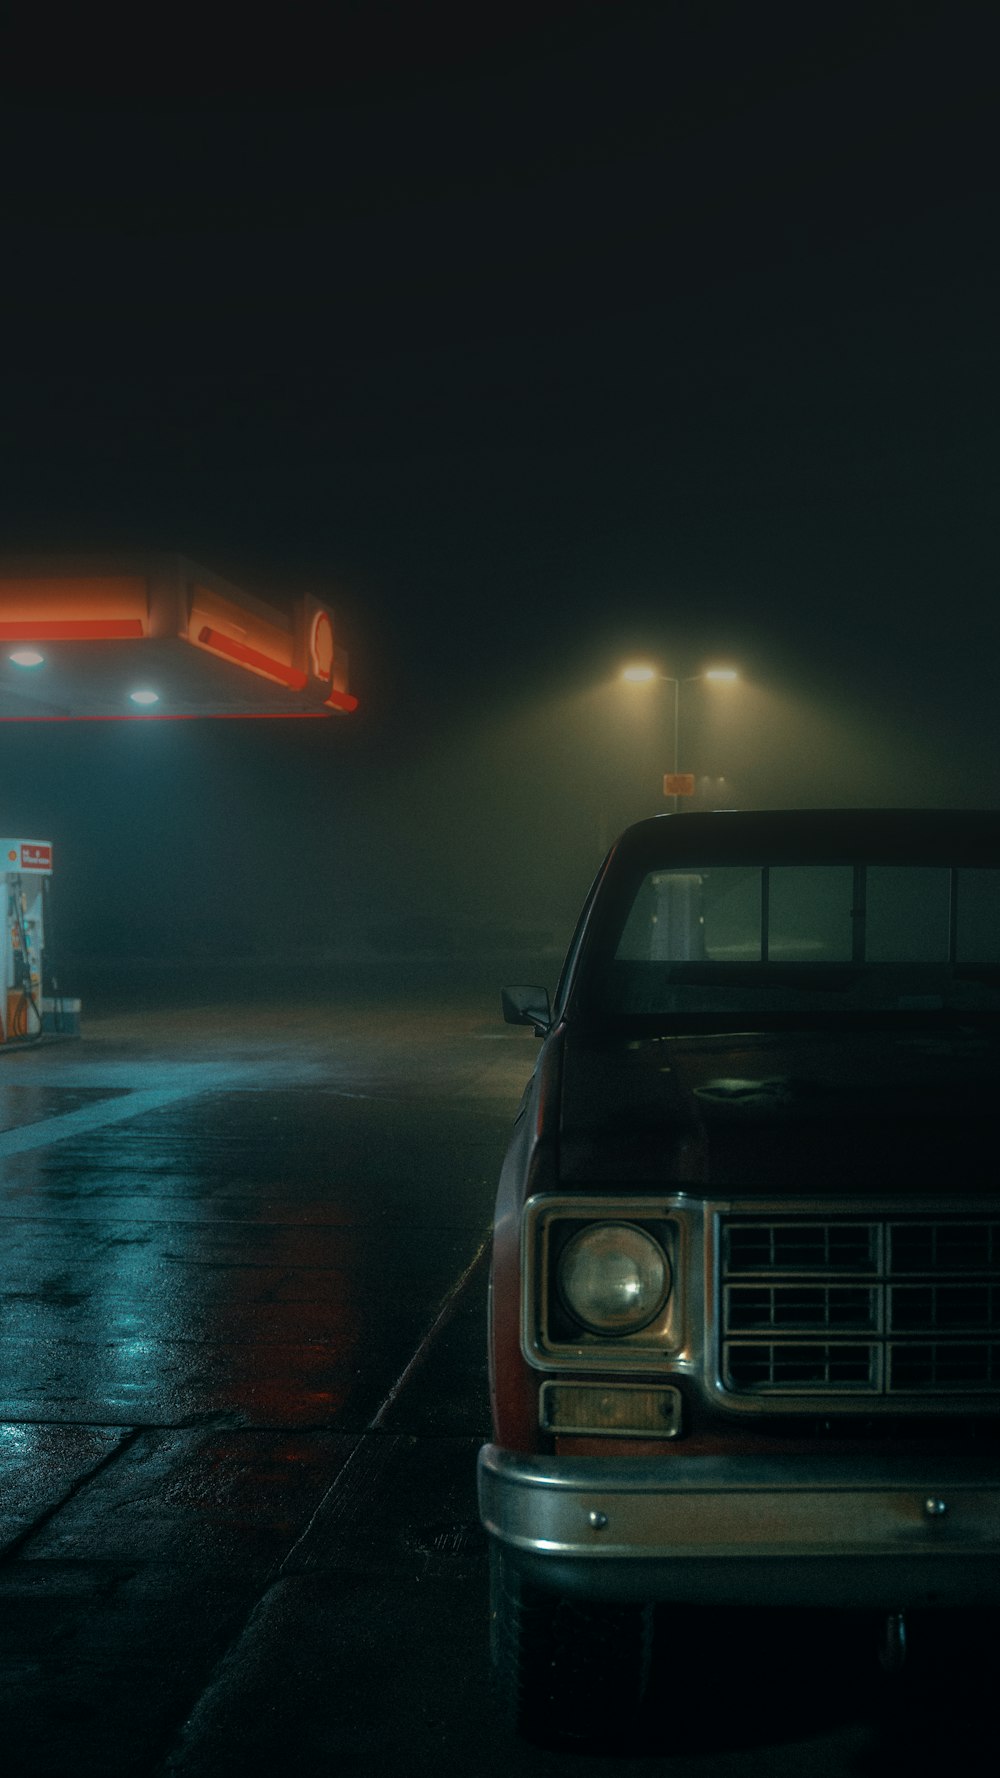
(527, 1006)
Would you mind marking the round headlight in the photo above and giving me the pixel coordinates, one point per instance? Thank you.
(613, 1277)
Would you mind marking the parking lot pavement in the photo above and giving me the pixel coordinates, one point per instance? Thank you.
(242, 1384)
(228, 1232)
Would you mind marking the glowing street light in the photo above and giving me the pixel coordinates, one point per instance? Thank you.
(643, 673)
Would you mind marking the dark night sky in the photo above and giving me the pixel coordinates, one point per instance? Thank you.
(535, 337)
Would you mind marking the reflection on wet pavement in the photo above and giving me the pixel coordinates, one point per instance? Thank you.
(218, 1234)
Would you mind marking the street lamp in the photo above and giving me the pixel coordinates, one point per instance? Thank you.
(643, 673)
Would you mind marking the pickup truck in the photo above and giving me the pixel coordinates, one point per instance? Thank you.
(745, 1289)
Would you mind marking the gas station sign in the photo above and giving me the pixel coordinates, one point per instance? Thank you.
(33, 855)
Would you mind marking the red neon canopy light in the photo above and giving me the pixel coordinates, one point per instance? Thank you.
(71, 629)
(209, 647)
(341, 700)
(252, 657)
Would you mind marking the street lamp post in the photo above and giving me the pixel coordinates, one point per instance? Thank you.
(644, 675)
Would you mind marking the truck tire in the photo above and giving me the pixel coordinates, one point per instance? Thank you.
(569, 1672)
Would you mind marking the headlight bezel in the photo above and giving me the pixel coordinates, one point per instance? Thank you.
(551, 1338)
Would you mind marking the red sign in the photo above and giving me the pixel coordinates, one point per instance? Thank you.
(678, 783)
(35, 856)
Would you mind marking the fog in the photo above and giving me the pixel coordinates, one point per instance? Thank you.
(200, 841)
(557, 343)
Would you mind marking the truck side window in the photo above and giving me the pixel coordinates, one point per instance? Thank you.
(665, 924)
(909, 913)
(978, 916)
(687, 916)
(732, 909)
(809, 913)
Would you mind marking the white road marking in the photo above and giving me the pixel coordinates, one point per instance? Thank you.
(188, 1083)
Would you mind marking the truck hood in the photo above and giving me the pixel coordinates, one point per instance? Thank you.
(788, 1112)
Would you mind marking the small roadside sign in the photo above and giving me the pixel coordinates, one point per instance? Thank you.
(678, 783)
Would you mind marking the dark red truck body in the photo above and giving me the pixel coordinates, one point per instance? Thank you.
(745, 1300)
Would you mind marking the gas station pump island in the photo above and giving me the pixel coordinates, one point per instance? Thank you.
(156, 638)
(25, 873)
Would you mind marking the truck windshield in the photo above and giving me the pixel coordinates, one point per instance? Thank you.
(752, 939)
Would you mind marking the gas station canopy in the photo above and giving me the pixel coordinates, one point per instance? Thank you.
(159, 638)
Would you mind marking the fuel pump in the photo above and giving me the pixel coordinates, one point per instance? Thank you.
(25, 866)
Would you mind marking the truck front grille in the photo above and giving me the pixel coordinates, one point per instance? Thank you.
(893, 1307)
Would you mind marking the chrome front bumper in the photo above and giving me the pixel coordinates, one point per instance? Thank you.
(750, 1530)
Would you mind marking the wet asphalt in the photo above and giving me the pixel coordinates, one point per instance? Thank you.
(242, 1385)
